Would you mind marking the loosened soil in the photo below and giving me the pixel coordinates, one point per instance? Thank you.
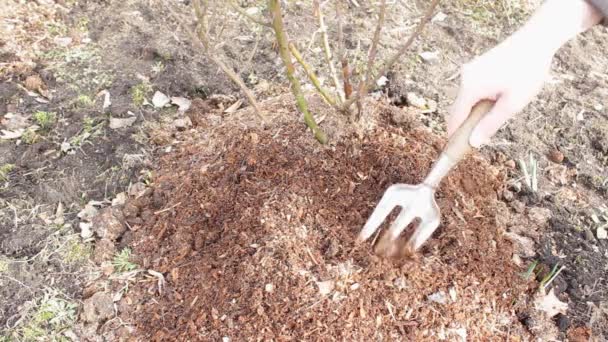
(254, 230)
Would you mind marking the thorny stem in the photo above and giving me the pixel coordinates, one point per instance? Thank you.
(247, 15)
(277, 24)
(365, 83)
(202, 41)
(311, 75)
(348, 88)
(389, 63)
(327, 50)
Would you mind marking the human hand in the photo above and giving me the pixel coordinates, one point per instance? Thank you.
(510, 74)
(513, 73)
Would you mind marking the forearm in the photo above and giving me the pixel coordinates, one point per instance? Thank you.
(554, 23)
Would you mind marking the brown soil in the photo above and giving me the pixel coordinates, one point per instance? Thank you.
(249, 229)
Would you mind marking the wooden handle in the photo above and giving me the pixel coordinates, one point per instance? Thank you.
(458, 145)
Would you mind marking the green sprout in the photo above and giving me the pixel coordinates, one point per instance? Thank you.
(121, 261)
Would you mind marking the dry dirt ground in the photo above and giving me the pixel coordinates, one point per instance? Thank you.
(123, 221)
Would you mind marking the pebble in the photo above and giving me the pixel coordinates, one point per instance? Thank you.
(507, 195)
(510, 164)
(602, 234)
(556, 156)
(415, 100)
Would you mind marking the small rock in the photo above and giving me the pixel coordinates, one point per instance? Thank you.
(440, 16)
(355, 286)
(429, 56)
(539, 216)
(108, 223)
(120, 199)
(182, 103)
(507, 195)
(85, 230)
(510, 164)
(130, 210)
(602, 234)
(104, 251)
(117, 123)
(556, 156)
(269, 288)
(137, 189)
(159, 100)
(518, 206)
(416, 101)
(438, 297)
(88, 212)
(524, 246)
(98, 308)
(382, 81)
(182, 123)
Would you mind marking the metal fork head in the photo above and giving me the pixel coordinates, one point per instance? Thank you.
(416, 201)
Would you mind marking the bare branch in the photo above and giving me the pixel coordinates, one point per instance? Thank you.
(249, 16)
(371, 59)
(348, 88)
(311, 75)
(327, 50)
(202, 41)
(296, 89)
(389, 63)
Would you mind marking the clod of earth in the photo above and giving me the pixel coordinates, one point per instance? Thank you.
(108, 224)
(98, 308)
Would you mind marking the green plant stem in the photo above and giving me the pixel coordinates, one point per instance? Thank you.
(296, 89)
(311, 75)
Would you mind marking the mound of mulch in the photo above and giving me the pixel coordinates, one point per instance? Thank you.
(254, 231)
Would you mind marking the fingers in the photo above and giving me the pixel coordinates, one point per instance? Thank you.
(503, 110)
(460, 110)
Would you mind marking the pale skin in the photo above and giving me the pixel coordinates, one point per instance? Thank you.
(513, 72)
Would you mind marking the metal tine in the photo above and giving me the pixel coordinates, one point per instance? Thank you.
(388, 201)
(424, 230)
(402, 221)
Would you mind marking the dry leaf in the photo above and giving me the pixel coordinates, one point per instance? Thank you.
(233, 108)
(550, 304)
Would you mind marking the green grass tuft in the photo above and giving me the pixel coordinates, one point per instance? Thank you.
(140, 92)
(45, 119)
(5, 170)
(121, 261)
